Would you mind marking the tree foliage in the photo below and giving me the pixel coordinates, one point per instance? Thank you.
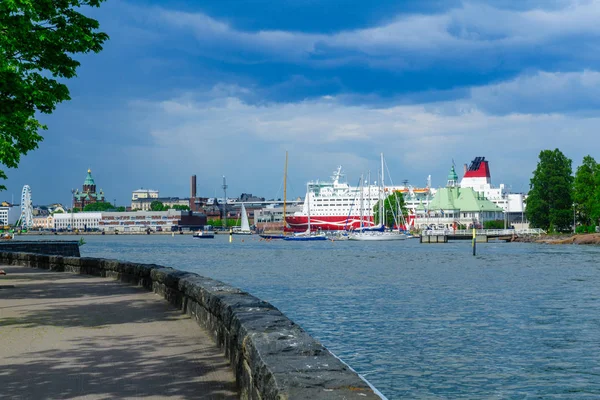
(549, 204)
(584, 188)
(38, 39)
(392, 205)
(157, 206)
(100, 206)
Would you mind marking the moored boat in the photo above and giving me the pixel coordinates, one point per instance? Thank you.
(245, 228)
(377, 236)
(206, 233)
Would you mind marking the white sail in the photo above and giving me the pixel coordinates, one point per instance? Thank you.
(245, 224)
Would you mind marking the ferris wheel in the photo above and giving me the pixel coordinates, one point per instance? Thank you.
(26, 218)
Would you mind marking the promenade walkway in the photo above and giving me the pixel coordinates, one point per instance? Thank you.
(71, 336)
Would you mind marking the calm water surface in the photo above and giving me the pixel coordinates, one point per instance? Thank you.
(418, 321)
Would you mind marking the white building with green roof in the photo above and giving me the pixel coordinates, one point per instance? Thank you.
(455, 206)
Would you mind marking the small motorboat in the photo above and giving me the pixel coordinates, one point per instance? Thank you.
(206, 232)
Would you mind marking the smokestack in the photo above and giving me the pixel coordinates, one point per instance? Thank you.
(466, 169)
(193, 186)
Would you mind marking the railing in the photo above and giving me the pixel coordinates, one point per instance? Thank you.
(487, 232)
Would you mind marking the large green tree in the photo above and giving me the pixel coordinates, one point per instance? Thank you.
(392, 206)
(100, 206)
(38, 39)
(550, 203)
(584, 188)
(157, 206)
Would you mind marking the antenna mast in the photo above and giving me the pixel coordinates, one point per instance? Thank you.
(285, 187)
(225, 200)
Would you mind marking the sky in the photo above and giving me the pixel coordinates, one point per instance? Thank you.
(225, 87)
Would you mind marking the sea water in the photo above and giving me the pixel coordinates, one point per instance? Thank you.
(425, 321)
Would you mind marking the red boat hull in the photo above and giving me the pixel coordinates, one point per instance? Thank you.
(332, 223)
(326, 223)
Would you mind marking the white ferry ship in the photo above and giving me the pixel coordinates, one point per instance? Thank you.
(336, 205)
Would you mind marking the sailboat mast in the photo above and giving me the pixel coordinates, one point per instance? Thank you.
(369, 198)
(308, 205)
(285, 188)
(382, 195)
(362, 205)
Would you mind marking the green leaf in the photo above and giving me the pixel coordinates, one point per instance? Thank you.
(38, 39)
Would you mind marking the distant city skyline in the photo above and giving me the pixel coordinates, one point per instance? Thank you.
(219, 88)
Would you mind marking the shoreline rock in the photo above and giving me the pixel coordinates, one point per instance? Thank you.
(586, 238)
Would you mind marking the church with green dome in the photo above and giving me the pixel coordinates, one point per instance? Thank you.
(88, 195)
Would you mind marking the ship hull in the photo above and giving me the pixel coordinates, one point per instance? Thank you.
(326, 223)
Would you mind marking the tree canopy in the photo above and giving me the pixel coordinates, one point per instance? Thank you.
(550, 204)
(584, 188)
(391, 206)
(159, 206)
(100, 206)
(38, 39)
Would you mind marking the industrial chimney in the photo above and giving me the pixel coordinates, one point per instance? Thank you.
(193, 187)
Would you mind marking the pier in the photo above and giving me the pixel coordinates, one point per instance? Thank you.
(481, 235)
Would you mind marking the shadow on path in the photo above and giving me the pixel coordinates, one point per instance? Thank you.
(65, 335)
(117, 367)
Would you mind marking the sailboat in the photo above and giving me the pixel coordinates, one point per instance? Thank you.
(308, 235)
(379, 235)
(245, 228)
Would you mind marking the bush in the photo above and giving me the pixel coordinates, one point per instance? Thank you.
(585, 229)
(497, 224)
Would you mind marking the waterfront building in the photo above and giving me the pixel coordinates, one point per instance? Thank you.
(81, 220)
(249, 198)
(144, 194)
(88, 194)
(43, 222)
(9, 214)
(477, 176)
(274, 213)
(144, 203)
(56, 207)
(139, 221)
(132, 221)
(455, 207)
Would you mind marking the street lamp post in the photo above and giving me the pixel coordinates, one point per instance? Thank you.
(72, 207)
(574, 222)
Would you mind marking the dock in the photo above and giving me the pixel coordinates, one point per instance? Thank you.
(481, 235)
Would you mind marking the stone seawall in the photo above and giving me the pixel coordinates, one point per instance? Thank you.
(67, 248)
(271, 356)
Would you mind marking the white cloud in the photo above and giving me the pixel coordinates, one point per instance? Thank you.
(543, 92)
(467, 30)
(224, 133)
